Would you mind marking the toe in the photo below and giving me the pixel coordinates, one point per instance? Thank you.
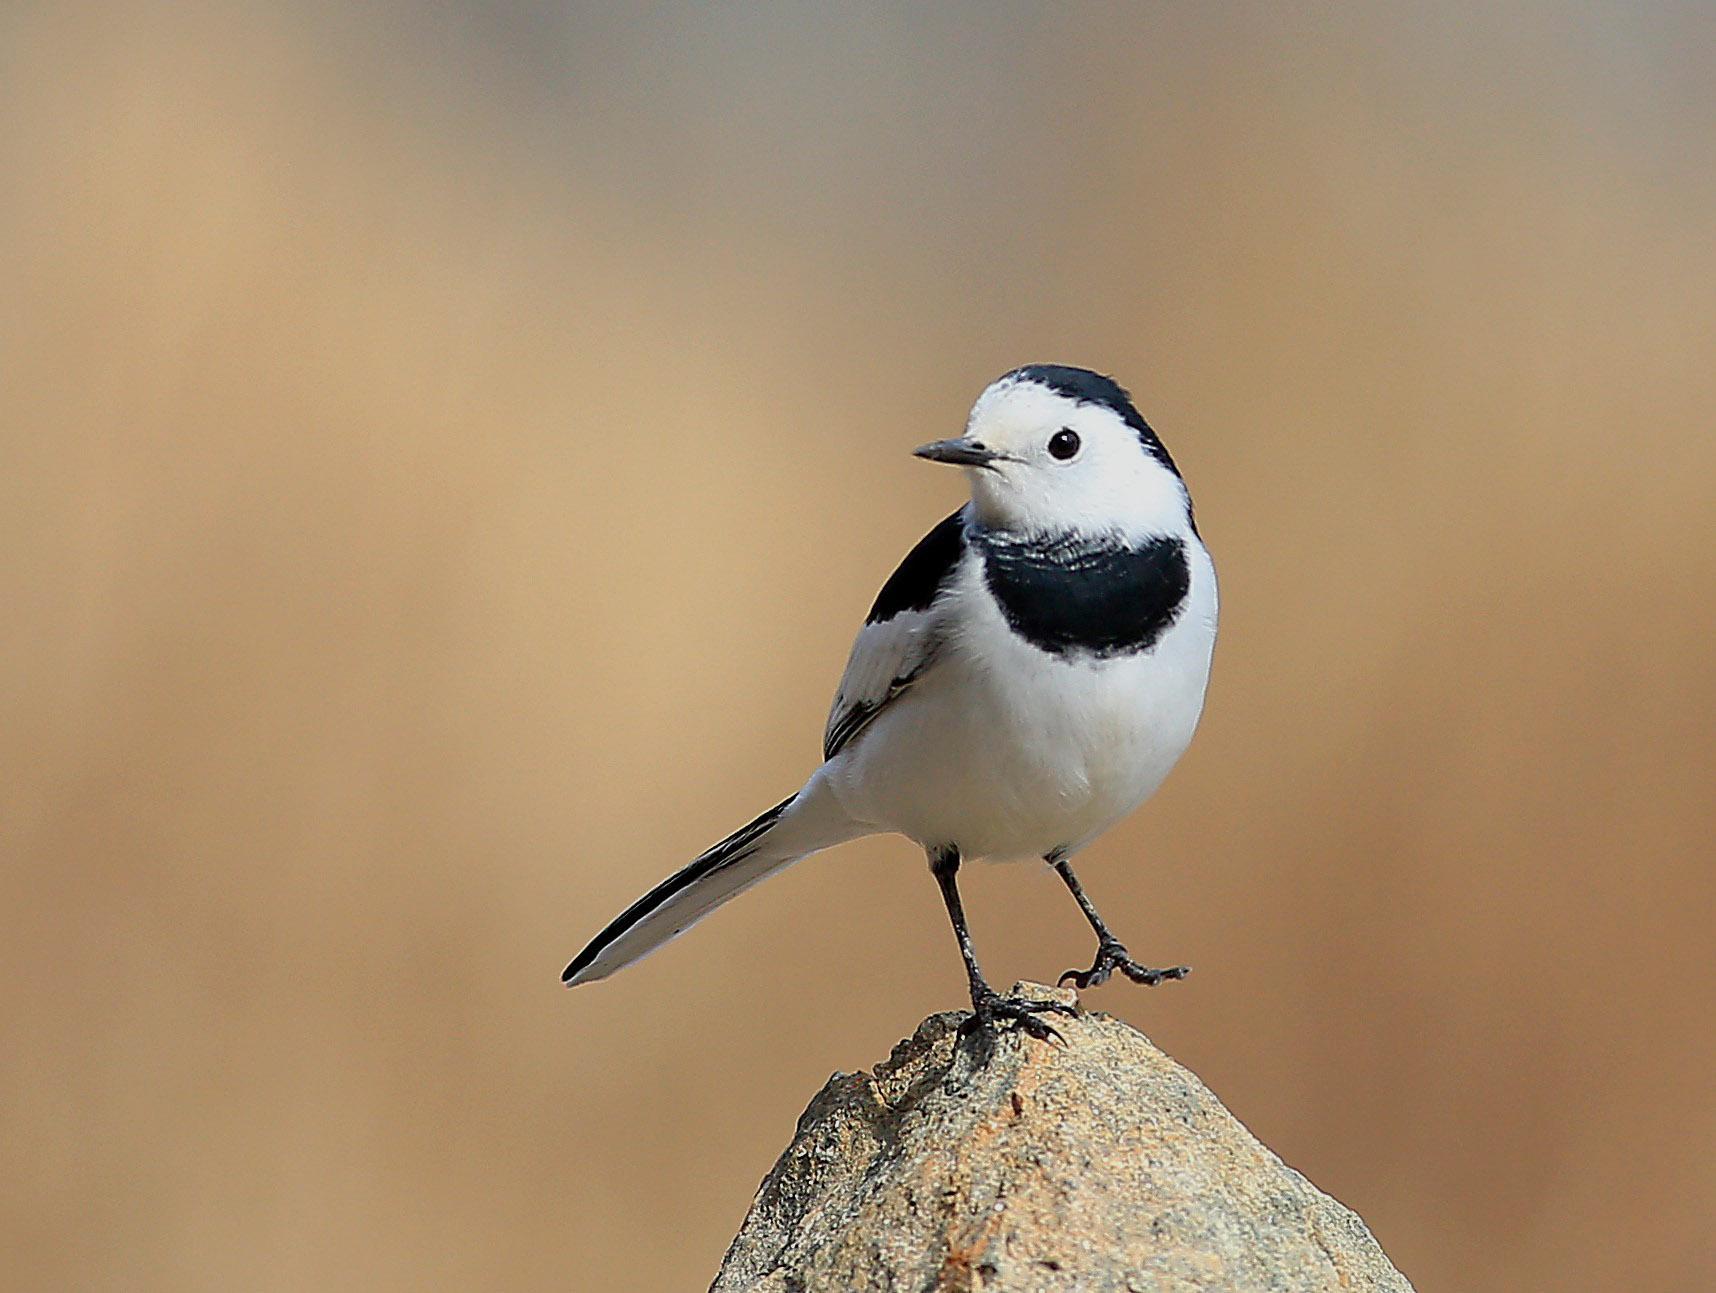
(1150, 978)
(990, 1014)
(1041, 1029)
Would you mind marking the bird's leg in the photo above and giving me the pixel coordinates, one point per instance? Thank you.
(1111, 953)
(989, 1007)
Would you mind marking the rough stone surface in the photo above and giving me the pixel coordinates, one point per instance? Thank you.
(1095, 1165)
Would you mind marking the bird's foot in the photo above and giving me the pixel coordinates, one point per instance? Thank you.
(990, 1011)
(1111, 956)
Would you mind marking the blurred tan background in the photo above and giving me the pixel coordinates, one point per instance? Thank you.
(448, 448)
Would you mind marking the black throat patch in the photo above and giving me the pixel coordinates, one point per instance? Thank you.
(1072, 595)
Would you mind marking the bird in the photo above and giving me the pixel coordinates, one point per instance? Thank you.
(1025, 679)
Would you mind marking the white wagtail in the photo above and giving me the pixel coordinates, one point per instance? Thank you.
(1026, 678)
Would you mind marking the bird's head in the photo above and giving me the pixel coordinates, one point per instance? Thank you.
(1050, 448)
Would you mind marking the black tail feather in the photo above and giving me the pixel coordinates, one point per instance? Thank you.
(734, 849)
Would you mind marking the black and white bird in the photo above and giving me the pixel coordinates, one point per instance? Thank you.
(1025, 679)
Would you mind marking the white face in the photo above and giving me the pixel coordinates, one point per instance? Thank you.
(1107, 483)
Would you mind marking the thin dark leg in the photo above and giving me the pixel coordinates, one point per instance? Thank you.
(989, 1007)
(944, 866)
(1111, 953)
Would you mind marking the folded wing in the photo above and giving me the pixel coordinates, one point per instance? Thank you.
(898, 642)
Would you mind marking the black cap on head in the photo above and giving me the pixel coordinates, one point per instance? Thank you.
(1083, 386)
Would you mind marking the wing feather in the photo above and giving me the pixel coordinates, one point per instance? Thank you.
(898, 642)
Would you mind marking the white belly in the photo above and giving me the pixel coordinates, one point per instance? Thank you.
(1008, 752)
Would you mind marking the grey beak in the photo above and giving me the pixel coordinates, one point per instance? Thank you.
(963, 452)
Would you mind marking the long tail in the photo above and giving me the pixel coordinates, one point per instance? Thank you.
(796, 827)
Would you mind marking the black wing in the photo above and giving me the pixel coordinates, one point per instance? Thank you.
(898, 640)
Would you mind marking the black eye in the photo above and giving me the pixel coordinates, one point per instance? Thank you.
(1064, 443)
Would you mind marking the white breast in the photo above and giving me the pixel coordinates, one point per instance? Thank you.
(1010, 752)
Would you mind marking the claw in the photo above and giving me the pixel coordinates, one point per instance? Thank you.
(1112, 956)
(990, 1012)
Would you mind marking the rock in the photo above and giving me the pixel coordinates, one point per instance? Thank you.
(969, 1164)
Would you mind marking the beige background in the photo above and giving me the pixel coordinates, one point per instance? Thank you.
(447, 450)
